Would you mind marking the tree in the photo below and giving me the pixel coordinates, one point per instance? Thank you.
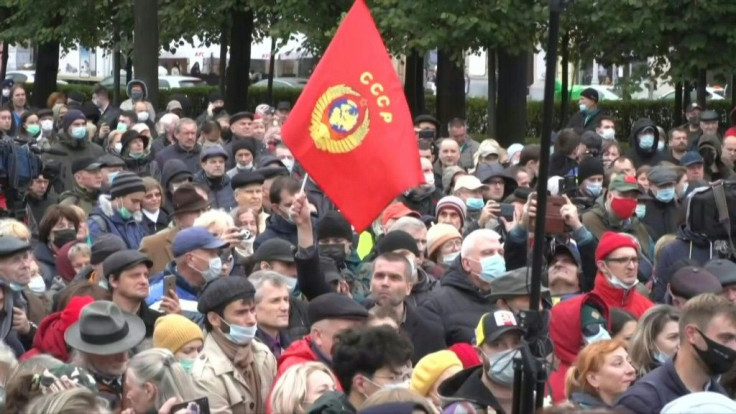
(146, 46)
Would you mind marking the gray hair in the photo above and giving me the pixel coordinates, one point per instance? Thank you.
(75, 400)
(408, 224)
(159, 367)
(259, 278)
(184, 121)
(473, 238)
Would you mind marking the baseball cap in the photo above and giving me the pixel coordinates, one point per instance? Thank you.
(86, 164)
(275, 249)
(691, 158)
(469, 182)
(194, 238)
(693, 106)
(623, 183)
(494, 324)
(397, 211)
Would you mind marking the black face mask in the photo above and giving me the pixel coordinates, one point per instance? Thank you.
(335, 251)
(62, 237)
(718, 358)
(694, 120)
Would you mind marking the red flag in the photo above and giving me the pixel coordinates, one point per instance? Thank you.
(351, 128)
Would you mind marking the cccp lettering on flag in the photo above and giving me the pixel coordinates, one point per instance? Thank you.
(351, 128)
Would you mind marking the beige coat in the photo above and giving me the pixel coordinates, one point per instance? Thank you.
(159, 248)
(215, 376)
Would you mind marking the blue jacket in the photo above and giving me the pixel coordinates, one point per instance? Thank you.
(221, 194)
(104, 219)
(190, 158)
(188, 294)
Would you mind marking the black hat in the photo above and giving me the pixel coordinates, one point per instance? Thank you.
(275, 249)
(273, 171)
(334, 306)
(691, 281)
(514, 283)
(129, 136)
(590, 93)
(397, 240)
(222, 291)
(693, 106)
(109, 160)
(246, 144)
(76, 96)
(10, 245)
(589, 167)
(104, 245)
(723, 269)
(104, 329)
(45, 112)
(240, 115)
(283, 106)
(427, 118)
(269, 160)
(334, 225)
(215, 96)
(87, 163)
(126, 183)
(122, 260)
(709, 115)
(245, 178)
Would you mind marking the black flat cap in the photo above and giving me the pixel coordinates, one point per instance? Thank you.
(122, 260)
(691, 281)
(89, 164)
(397, 240)
(333, 306)
(105, 245)
(709, 115)
(109, 160)
(270, 172)
(427, 118)
(10, 245)
(240, 115)
(223, 290)
(245, 178)
(723, 269)
(275, 249)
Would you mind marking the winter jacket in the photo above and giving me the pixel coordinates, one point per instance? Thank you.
(467, 387)
(161, 223)
(190, 158)
(128, 104)
(75, 149)
(457, 305)
(630, 300)
(159, 144)
(639, 156)
(423, 203)
(144, 167)
(467, 151)
(587, 120)
(38, 206)
(660, 218)
(221, 193)
(566, 333)
(46, 262)
(687, 246)
(187, 293)
(562, 165)
(299, 352)
(716, 169)
(104, 219)
(159, 248)
(277, 227)
(653, 391)
(82, 197)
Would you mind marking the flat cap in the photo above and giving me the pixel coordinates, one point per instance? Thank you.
(10, 245)
(105, 245)
(87, 164)
(109, 160)
(661, 175)
(273, 171)
(240, 115)
(691, 281)
(194, 238)
(511, 284)
(245, 178)
(723, 269)
(709, 115)
(123, 260)
(275, 249)
(427, 118)
(224, 290)
(334, 306)
(216, 151)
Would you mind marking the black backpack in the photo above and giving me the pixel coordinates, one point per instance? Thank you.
(710, 209)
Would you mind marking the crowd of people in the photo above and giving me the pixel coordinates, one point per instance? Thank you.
(170, 260)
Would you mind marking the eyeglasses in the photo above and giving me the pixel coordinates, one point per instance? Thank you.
(624, 260)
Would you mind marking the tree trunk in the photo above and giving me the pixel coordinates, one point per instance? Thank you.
(702, 82)
(224, 42)
(238, 71)
(512, 91)
(414, 82)
(564, 95)
(47, 66)
(145, 46)
(678, 104)
(450, 90)
(492, 91)
(271, 71)
(129, 69)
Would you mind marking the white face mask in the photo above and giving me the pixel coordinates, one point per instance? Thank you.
(289, 163)
(290, 282)
(142, 116)
(429, 178)
(37, 284)
(47, 125)
(118, 147)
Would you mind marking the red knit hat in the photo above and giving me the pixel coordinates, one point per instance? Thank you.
(466, 353)
(730, 132)
(70, 314)
(611, 241)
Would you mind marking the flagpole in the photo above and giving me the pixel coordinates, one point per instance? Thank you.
(304, 182)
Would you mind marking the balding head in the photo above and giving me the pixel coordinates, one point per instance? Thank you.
(729, 149)
(449, 152)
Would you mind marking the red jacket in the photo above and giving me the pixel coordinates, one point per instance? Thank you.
(566, 332)
(630, 300)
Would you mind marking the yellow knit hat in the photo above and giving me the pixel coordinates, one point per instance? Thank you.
(174, 331)
(429, 369)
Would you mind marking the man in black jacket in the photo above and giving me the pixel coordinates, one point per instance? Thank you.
(643, 143)
(589, 115)
(662, 209)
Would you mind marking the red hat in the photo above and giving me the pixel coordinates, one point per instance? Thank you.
(611, 241)
(397, 211)
(730, 132)
(70, 314)
(466, 354)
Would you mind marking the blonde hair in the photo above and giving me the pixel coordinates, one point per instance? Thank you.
(392, 395)
(650, 325)
(152, 184)
(290, 391)
(78, 249)
(13, 227)
(591, 359)
(214, 218)
(72, 401)
(159, 367)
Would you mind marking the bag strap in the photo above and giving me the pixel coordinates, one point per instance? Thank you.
(719, 195)
(100, 222)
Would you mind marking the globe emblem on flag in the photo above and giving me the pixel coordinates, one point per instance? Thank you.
(340, 120)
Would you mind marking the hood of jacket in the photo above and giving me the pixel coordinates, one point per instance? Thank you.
(638, 126)
(710, 141)
(425, 282)
(139, 82)
(171, 169)
(49, 337)
(565, 325)
(300, 350)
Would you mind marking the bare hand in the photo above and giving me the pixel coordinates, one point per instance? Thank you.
(170, 302)
(569, 213)
(20, 321)
(299, 211)
(343, 288)
(104, 130)
(529, 211)
(166, 408)
(510, 224)
(490, 211)
(232, 236)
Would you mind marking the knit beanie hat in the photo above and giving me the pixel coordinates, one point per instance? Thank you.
(454, 203)
(466, 353)
(126, 183)
(105, 245)
(430, 368)
(611, 241)
(438, 234)
(173, 331)
(589, 167)
(334, 225)
(71, 116)
(245, 144)
(397, 240)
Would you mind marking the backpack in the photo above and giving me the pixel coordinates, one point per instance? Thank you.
(710, 209)
(18, 166)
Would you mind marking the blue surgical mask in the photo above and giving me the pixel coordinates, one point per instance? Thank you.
(641, 210)
(492, 267)
(241, 335)
(79, 132)
(661, 357)
(475, 203)
(16, 287)
(111, 176)
(583, 108)
(290, 283)
(213, 272)
(501, 366)
(666, 195)
(594, 189)
(187, 364)
(646, 141)
(449, 258)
